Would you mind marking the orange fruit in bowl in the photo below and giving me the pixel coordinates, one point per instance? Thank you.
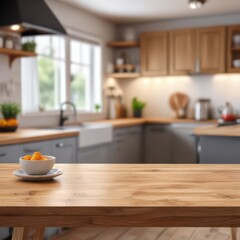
(36, 156)
(27, 157)
(3, 123)
(12, 122)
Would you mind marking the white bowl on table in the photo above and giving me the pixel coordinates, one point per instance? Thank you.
(37, 167)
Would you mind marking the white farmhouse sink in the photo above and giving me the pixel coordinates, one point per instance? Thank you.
(92, 133)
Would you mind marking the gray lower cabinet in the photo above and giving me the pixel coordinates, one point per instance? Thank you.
(9, 154)
(4, 233)
(65, 150)
(184, 144)
(127, 145)
(158, 144)
(95, 154)
(44, 147)
(218, 150)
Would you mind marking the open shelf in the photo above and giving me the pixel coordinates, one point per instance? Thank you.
(123, 44)
(124, 75)
(235, 48)
(13, 54)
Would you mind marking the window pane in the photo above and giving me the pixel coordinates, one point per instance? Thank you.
(58, 46)
(80, 89)
(85, 53)
(43, 45)
(80, 52)
(51, 74)
(97, 76)
(75, 51)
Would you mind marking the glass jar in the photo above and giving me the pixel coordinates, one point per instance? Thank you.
(9, 43)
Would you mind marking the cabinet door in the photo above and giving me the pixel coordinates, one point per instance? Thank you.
(219, 150)
(10, 154)
(182, 52)
(158, 144)
(133, 141)
(65, 150)
(95, 154)
(184, 147)
(4, 233)
(45, 147)
(119, 146)
(211, 50)
(154, 54)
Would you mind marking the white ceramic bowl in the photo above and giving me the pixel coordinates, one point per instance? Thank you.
(236, 63)
(37, 167)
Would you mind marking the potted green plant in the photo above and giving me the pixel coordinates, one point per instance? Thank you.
(137, 107)
(9, 111)
(29, 46)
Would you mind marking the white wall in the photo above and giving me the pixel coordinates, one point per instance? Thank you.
(156, 91)
(76, 19)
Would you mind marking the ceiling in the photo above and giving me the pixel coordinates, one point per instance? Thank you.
(131, 11)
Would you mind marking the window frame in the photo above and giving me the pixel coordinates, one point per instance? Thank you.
(82, 37)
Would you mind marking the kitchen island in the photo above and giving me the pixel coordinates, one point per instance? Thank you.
(122, 195)
(218, 144)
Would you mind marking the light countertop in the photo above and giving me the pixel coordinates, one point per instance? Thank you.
(29, 135)
(227, 131)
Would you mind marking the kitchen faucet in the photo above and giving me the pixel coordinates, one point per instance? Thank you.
(62, 118)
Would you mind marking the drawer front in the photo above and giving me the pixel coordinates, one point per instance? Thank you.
(44, 147)
(9, 154)
(65, 150)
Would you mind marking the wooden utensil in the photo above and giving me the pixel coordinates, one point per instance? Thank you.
(178, 103)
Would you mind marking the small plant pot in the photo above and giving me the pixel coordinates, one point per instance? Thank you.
(137, 113)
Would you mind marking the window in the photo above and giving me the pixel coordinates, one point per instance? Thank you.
(85, 73)
(66, 69)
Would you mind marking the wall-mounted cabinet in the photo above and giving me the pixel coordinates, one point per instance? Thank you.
(208, 50)
(211, 50)
(197, 51)
(154, 53)
(182, 52)
(233, 65)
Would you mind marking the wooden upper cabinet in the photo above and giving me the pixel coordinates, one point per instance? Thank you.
(154, 54)
(211, 47)
(182, 52)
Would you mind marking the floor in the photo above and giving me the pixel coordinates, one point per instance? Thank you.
(145, 234)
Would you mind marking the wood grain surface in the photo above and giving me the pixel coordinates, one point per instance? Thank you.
(227, 131)
(124, 195)
(28, 135)
(128, 122)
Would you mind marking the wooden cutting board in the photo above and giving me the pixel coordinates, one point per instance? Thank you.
(178, 102)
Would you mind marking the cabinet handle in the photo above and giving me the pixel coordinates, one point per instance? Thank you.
(60, 145)
(197, 65)
(3, 154)
(27, 150)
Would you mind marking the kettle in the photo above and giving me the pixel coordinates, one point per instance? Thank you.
(227, 112)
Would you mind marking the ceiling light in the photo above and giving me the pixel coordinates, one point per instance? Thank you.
(15, 27)
(195, 4)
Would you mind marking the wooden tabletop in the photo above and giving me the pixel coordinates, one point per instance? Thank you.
(28, 135)
(124, 195)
